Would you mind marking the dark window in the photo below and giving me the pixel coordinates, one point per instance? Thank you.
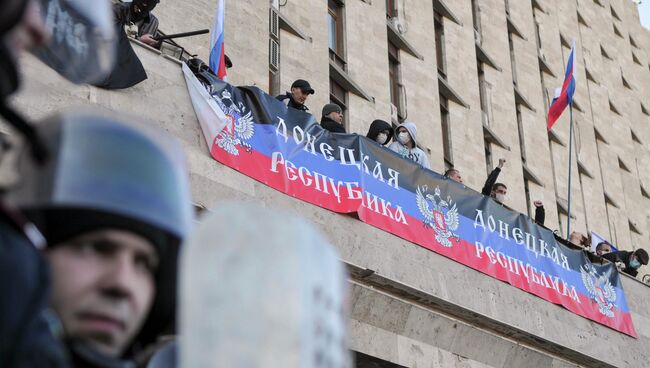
(391, 8)
(527, 192)
(512, 58)
(335, 31)
(446, 132)
(476, 16)
(395, 79)
(440, 44)
(522, 139)
(339, 96)
(488, 156)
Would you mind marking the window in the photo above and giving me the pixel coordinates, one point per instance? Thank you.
(339, 96)
(520, 127)
(527, 192)
(446, 132)
(274, 52)
(440, 44)
(617, 32)
(485, 96)
(394, 78)
(391, 8)
(512, 58)
(476, 16)
(335, 32)
(488, 156)
(612, 214)
(538, 36)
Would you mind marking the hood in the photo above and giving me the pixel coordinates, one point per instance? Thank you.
(376, 127)
(412, 129)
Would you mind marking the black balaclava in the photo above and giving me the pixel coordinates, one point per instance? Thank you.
(145, 6)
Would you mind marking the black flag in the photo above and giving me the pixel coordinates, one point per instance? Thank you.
(128, 70)
(82, 47)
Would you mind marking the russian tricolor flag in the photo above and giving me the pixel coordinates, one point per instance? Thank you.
(217, 52)
(564, 96)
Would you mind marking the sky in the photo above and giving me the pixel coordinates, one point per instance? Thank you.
(644, 13)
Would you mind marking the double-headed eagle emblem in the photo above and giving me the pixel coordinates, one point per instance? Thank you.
(599, 288)
(239, 126)
(440, 215)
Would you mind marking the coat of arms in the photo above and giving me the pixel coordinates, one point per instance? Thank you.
(239, 125)
(599, 288)
(439, 214)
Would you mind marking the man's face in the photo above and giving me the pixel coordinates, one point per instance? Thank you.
(499, 192)
(455, 176)
(103, 287)
(603, 249)
(299, 96)
(336, 116)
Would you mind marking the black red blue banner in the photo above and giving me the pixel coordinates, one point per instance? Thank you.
(287, 149)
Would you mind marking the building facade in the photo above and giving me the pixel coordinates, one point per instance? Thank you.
(477, 77)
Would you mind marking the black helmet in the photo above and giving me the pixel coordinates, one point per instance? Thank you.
(104, 173)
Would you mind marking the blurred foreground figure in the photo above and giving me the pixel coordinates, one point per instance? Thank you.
(113, 204)
(261, 288)
(25, 336)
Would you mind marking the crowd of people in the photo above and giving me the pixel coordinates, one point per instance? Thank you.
(404, 143)
(89, 240)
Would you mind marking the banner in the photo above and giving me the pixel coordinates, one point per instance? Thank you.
(82, 43)
(287, 149)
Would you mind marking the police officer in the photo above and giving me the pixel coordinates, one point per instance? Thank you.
(113, 204)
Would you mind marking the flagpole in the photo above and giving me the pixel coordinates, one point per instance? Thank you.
(568, 224)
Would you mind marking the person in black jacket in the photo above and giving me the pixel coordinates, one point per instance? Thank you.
(300, 90)
(380, 132)
(27, 338)
(490, 188)
(498, 192)
(454, 175)
(332, 118)
(631, 260)
(138, 12)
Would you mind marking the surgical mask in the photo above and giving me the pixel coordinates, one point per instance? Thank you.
(635, 263)
(404, 137)
(381, 138)
(500, 197)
